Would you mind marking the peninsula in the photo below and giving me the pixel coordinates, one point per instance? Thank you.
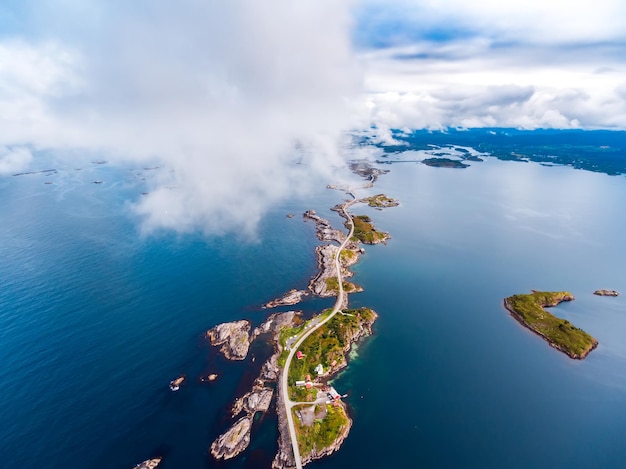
(313, 420)
(529, 310)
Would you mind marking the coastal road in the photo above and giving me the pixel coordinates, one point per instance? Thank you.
(307, 332)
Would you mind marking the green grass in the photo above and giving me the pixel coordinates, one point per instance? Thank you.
(323, 432)
(283, 335)
(346, 255)
(529, 309)
(381, 201)
(365, 232)
(302, 394)
(332, 285)
(328, 342)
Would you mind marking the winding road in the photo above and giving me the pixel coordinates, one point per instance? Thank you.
(338, 304)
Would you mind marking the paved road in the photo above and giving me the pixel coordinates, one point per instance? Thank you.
(307, 332)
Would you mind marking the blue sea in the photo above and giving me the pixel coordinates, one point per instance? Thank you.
(96, 319)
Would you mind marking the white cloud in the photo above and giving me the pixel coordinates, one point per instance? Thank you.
(222, 92)
(14, 160)
(483, 81)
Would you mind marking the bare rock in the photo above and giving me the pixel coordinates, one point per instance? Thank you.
(606, 293)
(325, 231)
(270, 370)
(233, 337)
(275, 323)
(257, 400)
(292, 297)
(149, 463)
(234, 441)
(326, 264)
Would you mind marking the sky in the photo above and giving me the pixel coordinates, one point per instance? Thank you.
(486, 63)
(231, 95)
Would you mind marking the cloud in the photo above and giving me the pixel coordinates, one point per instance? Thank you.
(230, 95)
(390, 23)
(14, 160)
(483, 63)
(510, 65)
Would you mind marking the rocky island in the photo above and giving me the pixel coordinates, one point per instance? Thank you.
(233, 337)
(606, 293)
(528, 310)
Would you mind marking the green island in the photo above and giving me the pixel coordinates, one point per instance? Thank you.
(365, 232)
(444, 163)
(529, 310)
(381, 201)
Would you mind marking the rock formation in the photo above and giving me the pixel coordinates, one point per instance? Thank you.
(290, 298)
(234, 441)
(233, 337)
(606, 293)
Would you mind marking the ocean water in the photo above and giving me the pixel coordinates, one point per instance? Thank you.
(96, 319)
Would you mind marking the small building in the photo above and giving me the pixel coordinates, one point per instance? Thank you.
(333, 394)
(299, 355)
(301, 383)
(319, 369)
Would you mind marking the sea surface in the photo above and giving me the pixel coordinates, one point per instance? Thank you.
(96, 319)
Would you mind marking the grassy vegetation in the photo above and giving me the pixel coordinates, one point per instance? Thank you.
(381, 200)
(332, 285)
(346, 256)
(302, 394)
(529, 309)
(323, 432)
(283, 335)
(365, 232)
(327, 343)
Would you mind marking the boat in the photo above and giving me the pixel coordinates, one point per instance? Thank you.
(175, 383)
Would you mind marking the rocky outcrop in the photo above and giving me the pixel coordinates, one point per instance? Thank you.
(257, 400)
(233, 337)
(234, 441)
(606, 293)
(324, 230)
(365, 169)
(237, 438)
(275, 323)
(326, 265)
(149, 463)
(292, 297)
